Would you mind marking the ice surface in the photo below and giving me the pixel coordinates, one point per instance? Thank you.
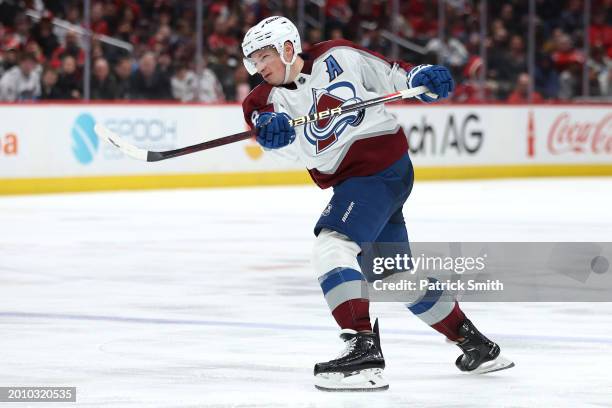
(205, 298)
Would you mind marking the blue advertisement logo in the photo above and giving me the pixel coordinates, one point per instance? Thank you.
(84, 140)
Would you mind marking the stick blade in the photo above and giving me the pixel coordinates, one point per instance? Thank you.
(114, 139)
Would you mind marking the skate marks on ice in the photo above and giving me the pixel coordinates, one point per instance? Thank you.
(129, 297)
(208, 363)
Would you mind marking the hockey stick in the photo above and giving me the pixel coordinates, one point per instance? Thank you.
(150, 156)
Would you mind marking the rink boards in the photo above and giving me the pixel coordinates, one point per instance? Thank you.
(52, 147)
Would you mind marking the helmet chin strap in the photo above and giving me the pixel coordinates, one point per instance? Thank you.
(287, 71)
(288, 66)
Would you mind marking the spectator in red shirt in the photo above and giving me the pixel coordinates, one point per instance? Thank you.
(71, 47)
(339, 11)
(425, 24)
(98, 24)
(601, 33)
(521, 90)
(469, 90)
(565, 54)
(221, 39)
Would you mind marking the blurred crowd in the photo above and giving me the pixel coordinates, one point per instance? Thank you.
(40, 59)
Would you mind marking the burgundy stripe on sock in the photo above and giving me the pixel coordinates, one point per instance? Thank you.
(353, 314)
(449, 326)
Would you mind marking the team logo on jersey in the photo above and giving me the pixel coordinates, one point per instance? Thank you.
(327, 131)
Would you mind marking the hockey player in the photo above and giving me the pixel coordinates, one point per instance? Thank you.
(363, 156)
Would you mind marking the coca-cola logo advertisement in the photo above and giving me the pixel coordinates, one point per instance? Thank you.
(570, 135)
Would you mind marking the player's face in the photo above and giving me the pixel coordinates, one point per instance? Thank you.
(269, 65)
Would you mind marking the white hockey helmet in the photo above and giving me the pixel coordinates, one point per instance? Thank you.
(271, 32)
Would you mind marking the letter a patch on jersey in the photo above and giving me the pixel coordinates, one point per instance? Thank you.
(333, 68)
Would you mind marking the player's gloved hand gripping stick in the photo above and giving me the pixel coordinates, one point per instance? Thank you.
(273, 130)
(150, 156)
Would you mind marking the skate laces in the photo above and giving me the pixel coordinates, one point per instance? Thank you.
(349, 347)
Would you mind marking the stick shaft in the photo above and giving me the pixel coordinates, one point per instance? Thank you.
(302, 120)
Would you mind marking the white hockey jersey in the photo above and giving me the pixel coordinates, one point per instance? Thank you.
(338, 73)
(14, 86)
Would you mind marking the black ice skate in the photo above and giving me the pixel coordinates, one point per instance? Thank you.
(358, 368)
(480, 355)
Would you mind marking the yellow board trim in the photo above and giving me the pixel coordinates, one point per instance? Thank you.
(512, 171)
(150, 182)
(164, 181)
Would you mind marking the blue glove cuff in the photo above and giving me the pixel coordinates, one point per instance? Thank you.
(410, 79)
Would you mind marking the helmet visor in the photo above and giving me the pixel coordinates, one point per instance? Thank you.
(252, 63)
(250, 66)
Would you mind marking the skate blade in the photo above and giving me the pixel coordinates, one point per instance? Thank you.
(500, 363)
(365, 380)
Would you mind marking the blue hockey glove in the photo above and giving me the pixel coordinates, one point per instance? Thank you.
(273, 130)
(435, 77)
